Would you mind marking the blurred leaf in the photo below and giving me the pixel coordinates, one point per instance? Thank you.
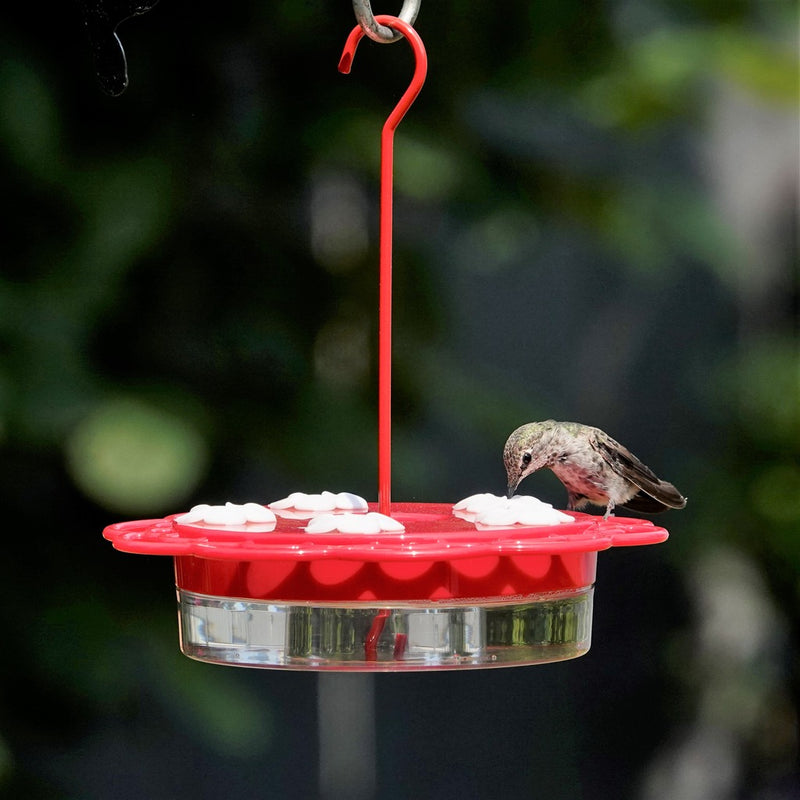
(125, 209)
(495, 241)
(776, 494)
(84, 650)
(212, 705)
(652, 224)
(29, 122)
(656, 76)
(109, 659)
(333, 439)
(134, 458)
(769, 69)
(426, 170)
(767, 381)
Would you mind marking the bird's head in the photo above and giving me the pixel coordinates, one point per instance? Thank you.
(527, 450)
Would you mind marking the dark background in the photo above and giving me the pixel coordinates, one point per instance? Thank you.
(595, 219)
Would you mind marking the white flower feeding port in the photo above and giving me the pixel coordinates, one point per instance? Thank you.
(331, 582)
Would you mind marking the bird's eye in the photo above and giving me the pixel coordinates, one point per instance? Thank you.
(526, 458)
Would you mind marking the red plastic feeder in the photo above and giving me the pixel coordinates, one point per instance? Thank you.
(441, 594)
(444, 593)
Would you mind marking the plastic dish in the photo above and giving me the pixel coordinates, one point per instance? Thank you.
(443, 594)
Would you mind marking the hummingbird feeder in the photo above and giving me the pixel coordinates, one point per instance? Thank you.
(330, 582)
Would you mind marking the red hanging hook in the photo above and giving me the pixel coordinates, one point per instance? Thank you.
(385, 289)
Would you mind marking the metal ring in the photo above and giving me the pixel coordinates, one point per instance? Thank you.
(381, 33)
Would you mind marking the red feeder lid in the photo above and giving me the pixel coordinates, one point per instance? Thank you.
(438, 556)
(432, 531)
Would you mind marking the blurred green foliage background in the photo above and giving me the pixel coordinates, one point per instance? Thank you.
(595, 219)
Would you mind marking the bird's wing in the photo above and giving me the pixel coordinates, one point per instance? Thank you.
(644, 503)
(626, 464)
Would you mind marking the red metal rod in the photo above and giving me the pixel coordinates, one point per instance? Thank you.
(374, 633)
(385, 287)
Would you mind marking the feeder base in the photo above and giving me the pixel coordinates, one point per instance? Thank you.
(502, 632)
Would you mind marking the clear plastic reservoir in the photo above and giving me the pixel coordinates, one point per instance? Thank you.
(256, 633)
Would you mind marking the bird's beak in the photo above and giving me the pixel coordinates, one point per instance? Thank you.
(535, 467)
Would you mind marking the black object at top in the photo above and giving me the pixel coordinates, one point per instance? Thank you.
(101, 18)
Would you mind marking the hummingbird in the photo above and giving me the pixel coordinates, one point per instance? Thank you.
(593, 467)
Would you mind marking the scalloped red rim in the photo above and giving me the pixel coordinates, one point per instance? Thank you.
(431, 532)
